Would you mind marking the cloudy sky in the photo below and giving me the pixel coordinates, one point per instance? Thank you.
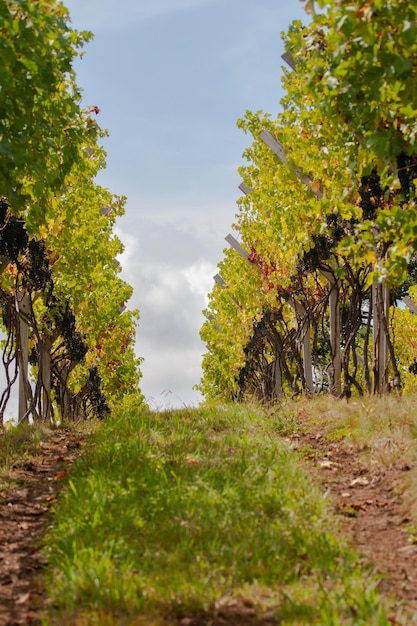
(171, 77)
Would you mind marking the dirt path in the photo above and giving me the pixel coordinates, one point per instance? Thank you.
(372, 513)
(24, 514)
(367, 499)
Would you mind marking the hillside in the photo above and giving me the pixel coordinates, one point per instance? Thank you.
(303, 514)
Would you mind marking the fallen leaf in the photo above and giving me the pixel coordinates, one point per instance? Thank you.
(326, 464)
(60, 475)
(411, 549)
(359, 506)
(38, 510)
(361, 481)
(23, 598)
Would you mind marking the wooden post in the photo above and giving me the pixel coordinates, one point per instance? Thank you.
(375, 335)
(220, 281)
(236, 245)
(278, 378)
(245, 189)
(335, 333)
(380, 300)
(410, 304)
(305, 340)
(384, 341)
(289, 59)
(278, 149)
(45, 373)
(22, 302)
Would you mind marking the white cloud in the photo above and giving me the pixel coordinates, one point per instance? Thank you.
(171, 283)
(171, 303)
(176, 377)
(199, 277)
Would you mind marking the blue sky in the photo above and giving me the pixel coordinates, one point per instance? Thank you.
(171, 77)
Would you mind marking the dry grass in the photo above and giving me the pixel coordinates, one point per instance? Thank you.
(381, 430)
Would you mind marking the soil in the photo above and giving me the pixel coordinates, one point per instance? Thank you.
(366, 497)
(375, 516)
(25, 510)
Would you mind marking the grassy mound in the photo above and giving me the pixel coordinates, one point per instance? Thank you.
(186, 513)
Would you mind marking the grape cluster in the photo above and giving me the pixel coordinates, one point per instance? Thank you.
(323, 245)
(371, 194)
(320, 251)
(413, 367)
(285, 293)
(6, 315)
(4, 207)
(95, 395)
(74, 340)
(407, 171)
(38, 271)
(13, 238)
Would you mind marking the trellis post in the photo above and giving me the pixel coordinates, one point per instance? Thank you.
(277, 148)
(45, 373)
(22, 303)
(245, 189)
(380, 304)
(278, 377)
(236, 246)
(304, 327)
(410, 304)
(335, 333)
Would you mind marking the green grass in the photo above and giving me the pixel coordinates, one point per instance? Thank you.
(17, 441)
(168, 514)
(382, 432)
(17, 444)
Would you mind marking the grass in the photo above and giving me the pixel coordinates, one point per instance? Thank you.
(382, 430)
(174, 514)
(18, 443)
(374, 423)
(20, 440)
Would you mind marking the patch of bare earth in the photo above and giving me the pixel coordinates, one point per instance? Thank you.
(24, 514)
(239, 611)
(373, 514)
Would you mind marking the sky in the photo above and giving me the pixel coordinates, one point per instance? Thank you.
(171, 78)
